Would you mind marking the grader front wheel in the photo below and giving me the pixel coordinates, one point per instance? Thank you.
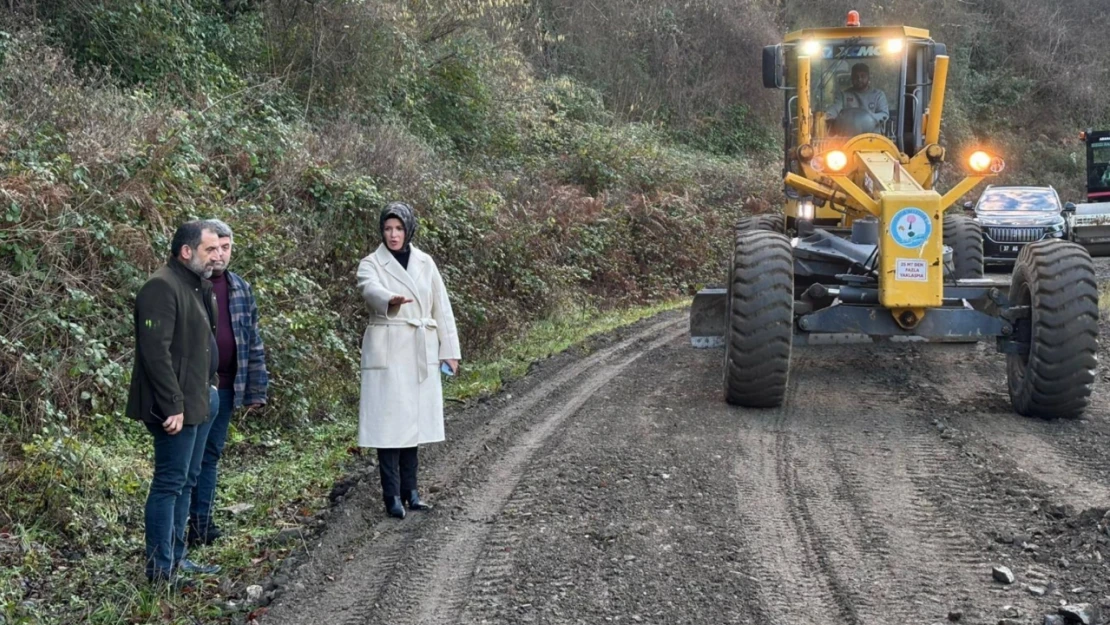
(760, 320)
(1055, 280)
(770, 222)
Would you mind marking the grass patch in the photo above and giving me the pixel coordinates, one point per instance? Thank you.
(284, 476)
(543, 339)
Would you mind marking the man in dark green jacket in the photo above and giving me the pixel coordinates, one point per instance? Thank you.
(173, 388)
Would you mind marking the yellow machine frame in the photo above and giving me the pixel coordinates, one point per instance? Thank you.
(878, 180)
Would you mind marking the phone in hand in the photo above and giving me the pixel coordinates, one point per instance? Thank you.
(446, 369)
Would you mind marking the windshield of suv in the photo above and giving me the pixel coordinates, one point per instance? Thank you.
(1019, 199)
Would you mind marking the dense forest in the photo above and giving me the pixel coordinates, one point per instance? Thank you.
(568, 159)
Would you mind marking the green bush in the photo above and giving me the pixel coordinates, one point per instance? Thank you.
(734, 131)
(153, 41)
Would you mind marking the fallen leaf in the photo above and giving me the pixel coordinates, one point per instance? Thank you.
(239, 508)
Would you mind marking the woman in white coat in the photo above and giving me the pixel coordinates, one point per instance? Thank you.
(411, 333)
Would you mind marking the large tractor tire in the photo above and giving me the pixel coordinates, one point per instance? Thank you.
(965, 236)
(1056, 280)
(760, 320)
(770, 222)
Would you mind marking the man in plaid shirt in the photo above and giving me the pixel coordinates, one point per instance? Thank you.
(243, 379)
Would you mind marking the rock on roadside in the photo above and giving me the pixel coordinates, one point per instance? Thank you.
(1080, 614)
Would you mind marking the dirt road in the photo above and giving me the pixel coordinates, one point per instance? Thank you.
(614, 485)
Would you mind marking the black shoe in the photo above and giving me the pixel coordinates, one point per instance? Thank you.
(412, 500)
(197, 537)
(394, 508)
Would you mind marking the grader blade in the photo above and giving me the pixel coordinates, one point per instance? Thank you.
(708, 321)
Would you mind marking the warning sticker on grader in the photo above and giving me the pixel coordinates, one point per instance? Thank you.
(911, 270)
(911, 227)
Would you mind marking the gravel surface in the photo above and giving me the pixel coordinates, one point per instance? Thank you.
(614, 485)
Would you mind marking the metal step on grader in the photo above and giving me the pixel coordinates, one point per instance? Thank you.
(864, 247)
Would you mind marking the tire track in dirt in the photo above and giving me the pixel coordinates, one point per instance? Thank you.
(1063, 456)
(367, 562)
(634, 522)
(437, 586)
(522, 407)
(780, 554)
(1072, 473)
(821, 531)
(494, 571)
(850, 451)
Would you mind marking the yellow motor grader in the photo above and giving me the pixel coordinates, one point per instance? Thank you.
(864, 246)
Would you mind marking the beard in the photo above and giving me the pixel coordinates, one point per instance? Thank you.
(198, 267)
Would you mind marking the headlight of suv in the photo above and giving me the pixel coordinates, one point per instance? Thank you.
(1054, 230)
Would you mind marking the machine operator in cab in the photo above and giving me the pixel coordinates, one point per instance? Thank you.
(861, 108)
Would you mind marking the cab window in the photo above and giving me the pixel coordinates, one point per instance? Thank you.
(856, 89)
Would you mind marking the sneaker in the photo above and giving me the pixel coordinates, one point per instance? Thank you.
(188, 566)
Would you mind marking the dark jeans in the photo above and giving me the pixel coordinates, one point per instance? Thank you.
(398, 470)
(204, 495)
(177, 461)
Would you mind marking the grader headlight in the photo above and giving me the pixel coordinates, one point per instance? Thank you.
(895, 46)
(984, 163)
(980, 162)
(836, 161)
(811, 48)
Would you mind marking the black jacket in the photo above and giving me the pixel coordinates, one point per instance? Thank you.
(175, 320)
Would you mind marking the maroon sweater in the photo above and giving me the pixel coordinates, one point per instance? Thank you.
(225, 336)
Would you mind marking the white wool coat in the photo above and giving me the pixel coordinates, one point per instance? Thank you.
(401, 403)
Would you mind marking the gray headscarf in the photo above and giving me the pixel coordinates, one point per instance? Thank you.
(401, 211)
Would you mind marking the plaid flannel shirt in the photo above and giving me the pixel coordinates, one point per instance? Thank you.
(251, 379)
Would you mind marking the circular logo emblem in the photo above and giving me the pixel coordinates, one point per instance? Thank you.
(911, 227)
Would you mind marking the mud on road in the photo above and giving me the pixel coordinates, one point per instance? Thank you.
(614, 485)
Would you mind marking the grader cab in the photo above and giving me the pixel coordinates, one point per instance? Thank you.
(864, 247)
(1097, 143)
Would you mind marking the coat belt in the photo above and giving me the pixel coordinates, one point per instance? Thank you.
(425, 324)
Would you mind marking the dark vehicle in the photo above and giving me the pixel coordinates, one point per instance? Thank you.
(1098, 165)
(1011, 217)
(1089, 223)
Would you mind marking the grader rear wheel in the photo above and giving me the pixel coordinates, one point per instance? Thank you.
(760, 320)
(965, 236)
(1056, 280)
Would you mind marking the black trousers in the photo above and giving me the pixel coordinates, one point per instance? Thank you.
(398, 470)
